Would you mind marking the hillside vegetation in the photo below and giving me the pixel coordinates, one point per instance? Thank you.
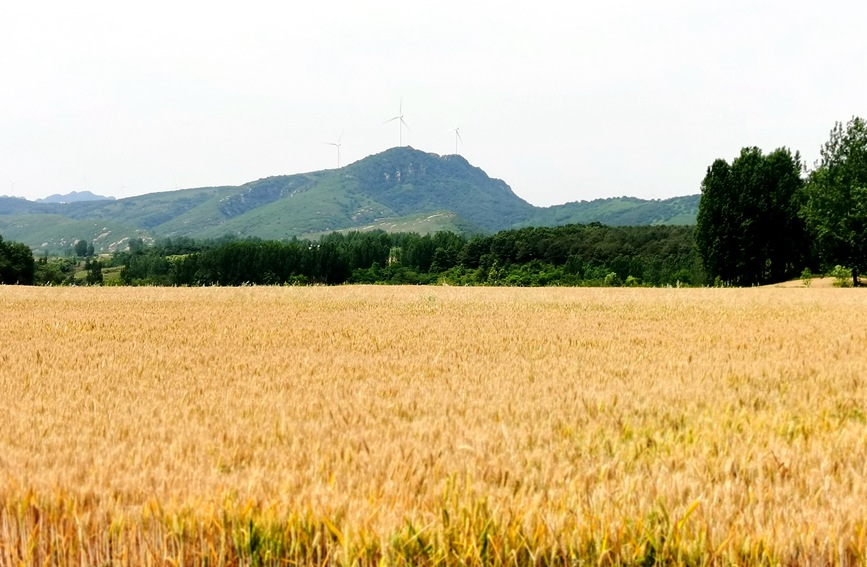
(619, 211)
(393, 190)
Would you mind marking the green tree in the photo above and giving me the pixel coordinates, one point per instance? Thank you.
(748, 229)
(136, 246)
(94, 273)
(836, 198)
(80, 248)
(441, 261)
(332, 267)
(16, 263)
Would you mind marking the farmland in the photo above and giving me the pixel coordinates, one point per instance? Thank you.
(433, 425)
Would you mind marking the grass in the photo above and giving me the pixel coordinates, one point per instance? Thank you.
(405, 425)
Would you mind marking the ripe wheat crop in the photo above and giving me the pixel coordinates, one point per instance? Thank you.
(385, 425)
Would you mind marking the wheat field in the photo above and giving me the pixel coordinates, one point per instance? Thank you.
(365, 425)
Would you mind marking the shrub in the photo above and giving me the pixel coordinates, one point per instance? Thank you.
(613, 280)
(842, 276)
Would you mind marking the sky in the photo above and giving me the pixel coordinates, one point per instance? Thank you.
(564, 101)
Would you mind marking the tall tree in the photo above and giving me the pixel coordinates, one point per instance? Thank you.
(80, 248)
(748, 230)
(94, 273)
(836, 198)
(716, 224)
(17, 265)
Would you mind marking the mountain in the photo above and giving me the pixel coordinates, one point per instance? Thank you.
(399, 190)
(74, 197)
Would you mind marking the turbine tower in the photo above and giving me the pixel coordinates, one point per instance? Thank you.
(456, 130)
(337, 144)
(400, 124)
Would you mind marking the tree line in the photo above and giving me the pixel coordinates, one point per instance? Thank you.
(570, 255)
(760, 221)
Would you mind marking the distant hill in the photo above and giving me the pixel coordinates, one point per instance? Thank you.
(74, 197)
(619, 211)
(401, 189)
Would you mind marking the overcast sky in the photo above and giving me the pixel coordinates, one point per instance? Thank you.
(562, 100)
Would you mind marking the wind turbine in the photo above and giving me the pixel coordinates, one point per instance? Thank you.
(400, 124)
(337, 144)
(456, 130)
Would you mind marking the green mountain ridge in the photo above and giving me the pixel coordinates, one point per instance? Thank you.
(401, 189)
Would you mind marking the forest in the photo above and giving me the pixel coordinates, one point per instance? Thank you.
(571, 255)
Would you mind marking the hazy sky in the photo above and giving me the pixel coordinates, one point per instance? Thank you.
(562, 100)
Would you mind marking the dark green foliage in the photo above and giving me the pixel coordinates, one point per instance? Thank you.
(748, 229)
(94, 273)
(329, 264)
(836, 199)
(80, 248)
(149, 268)
(180, 245)
(136, 245)
(572, 255)
(429, 252)
(16, 263)
(243, 262)
(262, 263)
(367, 249)
(586, 254)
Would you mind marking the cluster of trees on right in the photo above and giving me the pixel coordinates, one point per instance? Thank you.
(759, 221)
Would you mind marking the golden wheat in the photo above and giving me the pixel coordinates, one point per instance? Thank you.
(407, 425)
